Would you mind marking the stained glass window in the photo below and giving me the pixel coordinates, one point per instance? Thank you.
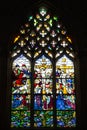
(43, 83)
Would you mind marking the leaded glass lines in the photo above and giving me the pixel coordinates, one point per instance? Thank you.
(43, 74)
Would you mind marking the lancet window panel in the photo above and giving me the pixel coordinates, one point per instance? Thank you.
(43, 74)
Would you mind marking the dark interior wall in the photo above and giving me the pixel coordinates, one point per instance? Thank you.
(13, 15)
(83, 87)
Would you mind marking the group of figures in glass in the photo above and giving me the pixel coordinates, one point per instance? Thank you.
(40, 96)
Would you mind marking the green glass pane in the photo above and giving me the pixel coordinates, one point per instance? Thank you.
(55, 18)
(66, 118)
(43, 119)
(43, 11)
(20, 119)
(15, 119)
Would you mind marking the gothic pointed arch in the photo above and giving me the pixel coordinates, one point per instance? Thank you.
(43, 74)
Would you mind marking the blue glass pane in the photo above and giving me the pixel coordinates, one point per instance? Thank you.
(65, 102)
(20, 102)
